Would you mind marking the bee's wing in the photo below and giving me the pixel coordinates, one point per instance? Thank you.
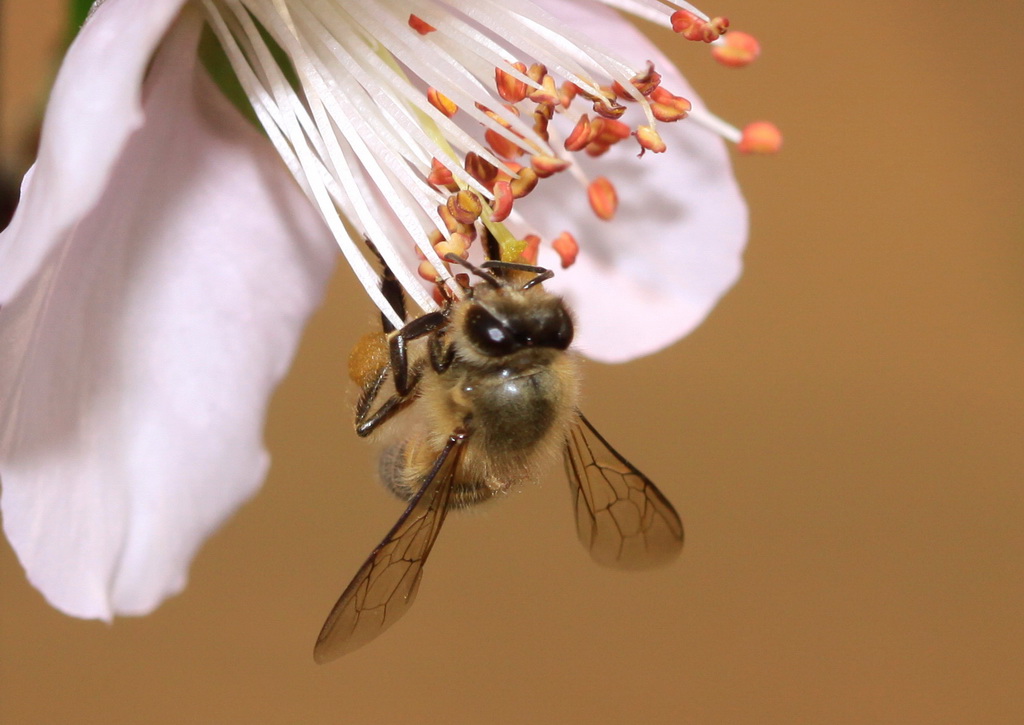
(385, 587)
(622, 519)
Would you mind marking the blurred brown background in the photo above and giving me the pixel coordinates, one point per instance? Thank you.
(843, 438)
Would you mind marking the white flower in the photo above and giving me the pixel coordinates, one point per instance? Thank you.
(163, 260)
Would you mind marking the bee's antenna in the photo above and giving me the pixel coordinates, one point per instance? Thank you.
(478, 271)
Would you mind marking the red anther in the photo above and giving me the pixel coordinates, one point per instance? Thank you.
(579, 137)
(537, 72)
(738, 50)
(501, 207)
(540, 120)
(567, 248)
(440, 176)
(760, 137)
(442, 102)
(509, 87)
(420, 25)
(603, 199)
(647, 81)
(611, 131)
(688, 25)
(621, 93)
(480, 169)
(608, 107)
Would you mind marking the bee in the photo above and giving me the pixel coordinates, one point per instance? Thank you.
(488, 390)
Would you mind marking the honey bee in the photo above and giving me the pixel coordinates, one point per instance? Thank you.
(488, 390)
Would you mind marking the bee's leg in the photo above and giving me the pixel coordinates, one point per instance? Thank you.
(405, 380)
(389, 287)
(367, 422)
(399, 342)
(441, 352)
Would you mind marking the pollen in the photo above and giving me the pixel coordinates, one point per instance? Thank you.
(737, 50)
(603, 199)
(760, 137)
(693, 27)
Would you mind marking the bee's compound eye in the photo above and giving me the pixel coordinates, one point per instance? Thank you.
(488, 333)
(558, 330)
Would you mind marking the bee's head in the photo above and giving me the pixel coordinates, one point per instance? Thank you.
(503, 321)
(507, 314)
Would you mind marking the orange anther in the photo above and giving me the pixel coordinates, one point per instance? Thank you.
(649, 140)
(426, 271)
(673, 110)
(501, 145)
(545, 166)
(547, 93)
(420, 25)
(509, 87)
(464, 206)
(524, 183)
(529, 253)
(738, 50)
(456, 244)
(568, 92)
(760, 137)
(441, 102)
(603, 199)
(567, 248)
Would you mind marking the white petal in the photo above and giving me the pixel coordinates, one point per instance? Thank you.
(651, 275)
(95, 104)
(138, 363)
